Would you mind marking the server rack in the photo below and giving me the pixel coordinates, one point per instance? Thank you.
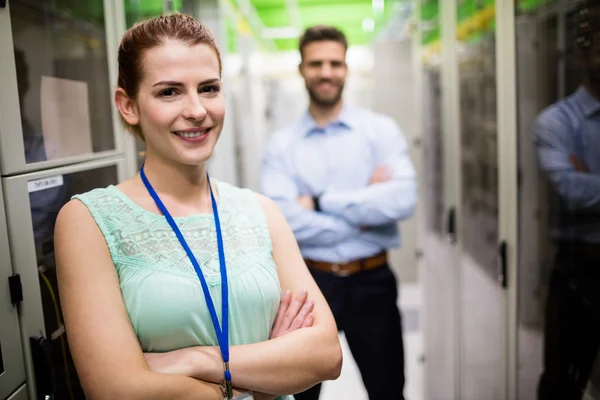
(32, 204)
(59, 135)
(12, 367)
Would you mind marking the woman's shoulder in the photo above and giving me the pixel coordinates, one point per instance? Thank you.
(74, 217)
(96, 194)
(109, 207)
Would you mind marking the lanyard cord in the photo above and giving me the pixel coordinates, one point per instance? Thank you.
(222, 334)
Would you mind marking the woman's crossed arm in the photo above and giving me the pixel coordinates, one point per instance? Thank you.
(294, 359)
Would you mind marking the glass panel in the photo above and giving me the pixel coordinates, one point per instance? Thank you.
(45, 204)
(438, 279)
(62, 75)
(433, 146)
(481, 295)
(558, 90)
(438, 276)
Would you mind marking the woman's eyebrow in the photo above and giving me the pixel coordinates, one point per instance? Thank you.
(179, 84)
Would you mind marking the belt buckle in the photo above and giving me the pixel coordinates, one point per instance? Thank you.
(335, 269)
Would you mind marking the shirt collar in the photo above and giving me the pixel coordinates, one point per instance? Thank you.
(584, 99)
(345, 119)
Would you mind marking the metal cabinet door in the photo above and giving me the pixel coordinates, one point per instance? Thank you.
(12, 369)
(58, 63)
(32, 204)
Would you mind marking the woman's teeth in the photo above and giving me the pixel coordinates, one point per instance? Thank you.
(191, 135)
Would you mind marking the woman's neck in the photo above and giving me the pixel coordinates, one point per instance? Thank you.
(184, 184)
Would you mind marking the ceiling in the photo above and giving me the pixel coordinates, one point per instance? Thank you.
(347, 15)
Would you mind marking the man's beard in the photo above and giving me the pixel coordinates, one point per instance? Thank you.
(593, 78)
(327, 102)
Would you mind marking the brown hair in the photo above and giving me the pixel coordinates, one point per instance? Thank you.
(151, 33)
(320, 33)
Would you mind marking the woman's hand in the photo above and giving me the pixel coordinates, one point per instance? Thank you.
(292, 315)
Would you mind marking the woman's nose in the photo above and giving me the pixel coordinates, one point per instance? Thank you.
(194, 109)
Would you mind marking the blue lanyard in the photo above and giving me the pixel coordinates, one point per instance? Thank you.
(222, 334)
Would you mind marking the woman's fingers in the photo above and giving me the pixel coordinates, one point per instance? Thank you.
(308, 322)
(293, 310)
(302, 315)
(286, 298)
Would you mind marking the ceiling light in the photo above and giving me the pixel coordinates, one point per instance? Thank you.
(368, 24)
(378, 6)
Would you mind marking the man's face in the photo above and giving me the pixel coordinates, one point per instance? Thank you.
(590, 59)
(324, 71)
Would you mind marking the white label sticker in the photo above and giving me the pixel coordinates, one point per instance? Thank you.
(45, 183)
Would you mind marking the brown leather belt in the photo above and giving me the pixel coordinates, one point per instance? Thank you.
(365, 264)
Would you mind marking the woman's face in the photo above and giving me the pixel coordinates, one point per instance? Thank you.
(180, 103)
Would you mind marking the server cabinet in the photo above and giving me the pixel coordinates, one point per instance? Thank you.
(558, 282)
(12, 368)
(58, 63)
(32, 204)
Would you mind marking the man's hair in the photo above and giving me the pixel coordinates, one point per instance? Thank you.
(321, 33)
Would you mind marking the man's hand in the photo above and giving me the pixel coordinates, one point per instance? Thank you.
(306, 202)
(577, 163)
(382, 174)
(292, 315)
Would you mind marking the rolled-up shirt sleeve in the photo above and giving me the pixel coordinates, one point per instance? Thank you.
(278, 182)
(554, 142)
(380, 203)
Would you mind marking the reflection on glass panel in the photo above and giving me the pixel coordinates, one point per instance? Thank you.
(45, 204)
(62, 76)
(432, 141)
(558, 89)
(481, 294)
(479, 151)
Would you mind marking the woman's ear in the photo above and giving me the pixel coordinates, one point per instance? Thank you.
(127, 107)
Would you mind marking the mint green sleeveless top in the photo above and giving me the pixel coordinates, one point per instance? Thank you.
(160, 287)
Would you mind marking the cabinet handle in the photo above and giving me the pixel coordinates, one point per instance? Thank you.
(451, 225)
(502, 262)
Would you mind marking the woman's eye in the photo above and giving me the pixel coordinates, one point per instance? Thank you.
(210, 89)
(167, 93)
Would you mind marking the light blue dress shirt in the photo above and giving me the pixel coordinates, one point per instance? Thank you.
(572, 126)
(357, 220)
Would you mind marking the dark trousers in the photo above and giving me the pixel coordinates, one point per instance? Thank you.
(572, 327)
(365, 309)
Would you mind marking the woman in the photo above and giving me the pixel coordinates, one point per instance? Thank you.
(142, 265)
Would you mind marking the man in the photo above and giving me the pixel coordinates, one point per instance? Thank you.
(343, 178)
(568, 148)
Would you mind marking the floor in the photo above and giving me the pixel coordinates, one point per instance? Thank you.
(349, 385)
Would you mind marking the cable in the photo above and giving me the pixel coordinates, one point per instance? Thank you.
(62, 336)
